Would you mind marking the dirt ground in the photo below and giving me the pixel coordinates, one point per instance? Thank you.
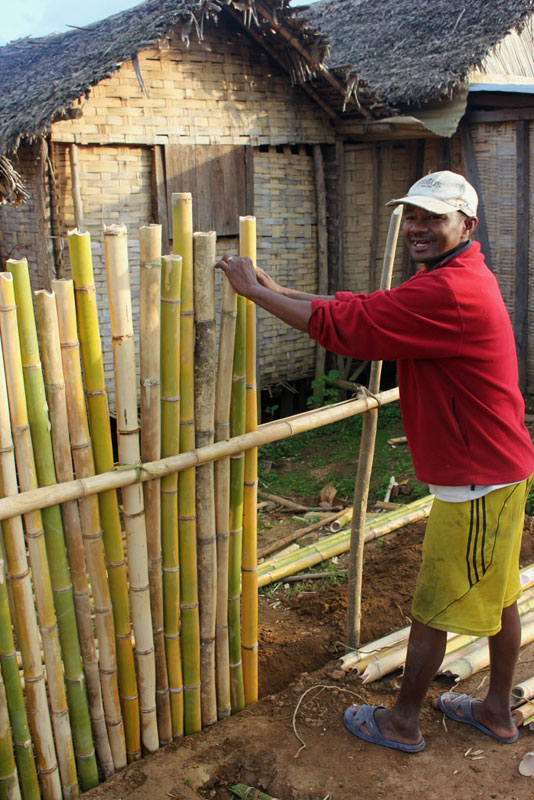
(301, 636)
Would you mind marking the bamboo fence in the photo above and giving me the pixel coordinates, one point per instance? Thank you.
(138, 621)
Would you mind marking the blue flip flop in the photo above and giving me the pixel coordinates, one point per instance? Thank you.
(452, 702)
(356, 717)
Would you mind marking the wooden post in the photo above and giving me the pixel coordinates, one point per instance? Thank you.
(472, 174)
(322, 255)
(365, 462)
(76, 191)
(522, 249)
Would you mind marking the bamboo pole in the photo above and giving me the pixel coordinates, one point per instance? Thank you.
(97, 405)
(13, 700)
(57, 403)
(123, 343)
(204, 258)
(182, 224)
(222, 493)
(150, 343)
(249, 559)
(62, 592)
(365, 461)
(15, 550)
(91, 531)
(334, 545)
(525, 713)
(170, 445)
(237, 477)
(524, 690)
(117, 479)
(9, 782)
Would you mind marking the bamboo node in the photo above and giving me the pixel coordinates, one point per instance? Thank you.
(187, 519)
(151, 710)
(173, 301)
(206, 542)
(188, 606)
(139, 588)
(148, 382)
(236, 665)
(34, 678)
(252, 647)
(144, 652)
(191, 687)
(178, 690)
(48, 771)
(249, 569)
(95, 393)
(8, 308)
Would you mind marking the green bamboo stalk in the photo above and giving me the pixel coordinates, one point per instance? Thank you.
(14, 700)
(190, 633)
(53, 527)
(123, 345)
(170, 445)
(57, 403)
(12, 384)
(237, 476)
(97, 405)
(150, 368)
(9, 782)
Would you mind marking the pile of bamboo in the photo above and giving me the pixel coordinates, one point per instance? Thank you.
(124, 611)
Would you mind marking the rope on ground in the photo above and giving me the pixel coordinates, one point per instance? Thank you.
(321, 687)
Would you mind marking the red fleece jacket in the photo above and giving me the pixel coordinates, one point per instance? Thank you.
(449, 330)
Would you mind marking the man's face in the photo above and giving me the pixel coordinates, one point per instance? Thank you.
(430, 236)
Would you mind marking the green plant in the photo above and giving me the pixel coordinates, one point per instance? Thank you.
(327, 394)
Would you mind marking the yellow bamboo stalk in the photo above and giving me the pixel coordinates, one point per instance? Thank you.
(91, 530)
(9, 782)
(116, 258)
(249, 559)
(150, 335)
(204, 257)
(222, 493)
(117, 479)
(365, 462)
(57, 403)
(182, 216)
(97, 404)
(170, 445)
(36, 546)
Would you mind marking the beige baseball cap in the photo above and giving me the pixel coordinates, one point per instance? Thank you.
(442, 192)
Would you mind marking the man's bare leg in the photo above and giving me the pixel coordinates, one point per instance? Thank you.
(426, 648)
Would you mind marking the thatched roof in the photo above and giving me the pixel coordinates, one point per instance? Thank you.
(409, 52)
(41, 78)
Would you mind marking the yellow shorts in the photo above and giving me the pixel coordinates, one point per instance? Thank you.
(470, 567)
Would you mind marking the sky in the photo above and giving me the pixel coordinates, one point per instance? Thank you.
(39, 17)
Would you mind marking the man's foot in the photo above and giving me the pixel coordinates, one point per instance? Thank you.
(374, 724)
(469, 710)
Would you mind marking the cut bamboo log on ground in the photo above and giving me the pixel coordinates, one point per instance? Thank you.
(249, 557)
(337, 543)
(182, 217)
(222, 493)
(170, 446)
(9, 782)
(237, 476)
(117, 479)
(365, 462)
(91, 530)
(524, 690)
(13, 701)
(15, 550)
(97, 405)
(45, 473)
(204, 258)
(57, 403)
(293, 537)
(150, 344)
(525, 713)
(123, 345)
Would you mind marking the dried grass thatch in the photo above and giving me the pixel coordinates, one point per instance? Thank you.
(407, 52)
(41, 78)
(11, 186)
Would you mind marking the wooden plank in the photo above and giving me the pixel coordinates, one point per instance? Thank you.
(472, 174)
(375, 212)
(76, 191)
(501, 115)
(340, 267)
(249, 180)
(417, 161)
(522, 249)
(160, 213)
(180, 173)
(322, 252)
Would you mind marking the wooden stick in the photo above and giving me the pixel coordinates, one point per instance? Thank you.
(292, 537)
(123, 343)
(322, 257)
(149, 340)
(204, 258)
(116, 479)
(365, 462)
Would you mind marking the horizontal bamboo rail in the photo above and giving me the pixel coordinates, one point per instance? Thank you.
(35, 499)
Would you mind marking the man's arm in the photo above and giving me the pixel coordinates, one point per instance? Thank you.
(289, 305)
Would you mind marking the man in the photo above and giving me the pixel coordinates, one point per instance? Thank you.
(463, 416)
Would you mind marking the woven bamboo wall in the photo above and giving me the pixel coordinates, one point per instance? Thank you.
(225, 90)
(285, 205)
